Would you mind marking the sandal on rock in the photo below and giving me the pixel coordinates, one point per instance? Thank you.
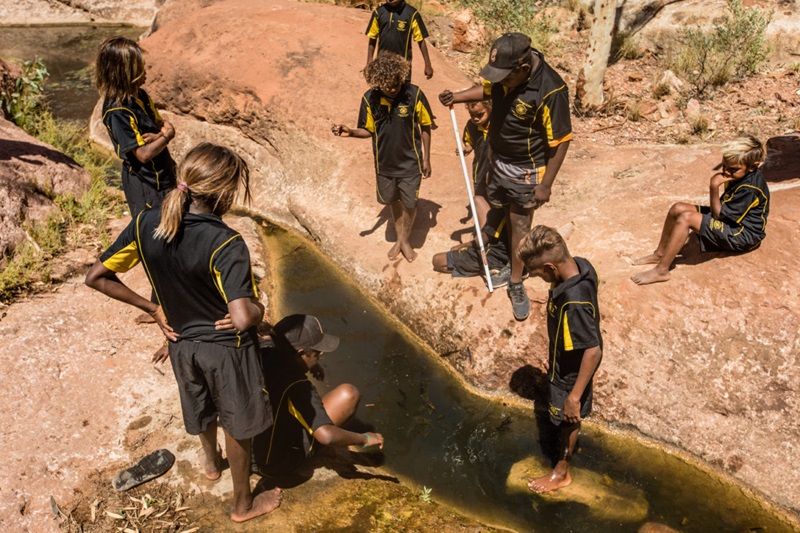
(150, 467)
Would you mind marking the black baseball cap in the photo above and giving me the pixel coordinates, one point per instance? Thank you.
(304, 332)
(508, 52)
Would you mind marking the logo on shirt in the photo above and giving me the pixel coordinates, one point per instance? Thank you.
(551, 308)
(520, 109)
(727, 197)
(402, 111)
(401, 25)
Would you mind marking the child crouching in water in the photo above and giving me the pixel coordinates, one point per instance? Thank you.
(576, 344)
(397, 116)
(734, 222)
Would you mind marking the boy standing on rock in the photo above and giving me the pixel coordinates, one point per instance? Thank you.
(529, 134)
(397, 116)
(392, 27)
(576, 345)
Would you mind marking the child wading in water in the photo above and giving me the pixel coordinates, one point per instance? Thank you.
(734, 222)
(200, 271)
(576, 344)
(396, 115)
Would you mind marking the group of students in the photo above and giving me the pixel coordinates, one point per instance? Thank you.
(205, 300)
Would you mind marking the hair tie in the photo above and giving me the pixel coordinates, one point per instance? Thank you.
(183, 187)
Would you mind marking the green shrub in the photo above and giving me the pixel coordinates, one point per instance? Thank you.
(75, 221)
(732, 50)
(21, 101)
(501, 16)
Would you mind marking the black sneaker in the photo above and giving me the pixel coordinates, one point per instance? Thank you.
(519, 300)
(500, 277)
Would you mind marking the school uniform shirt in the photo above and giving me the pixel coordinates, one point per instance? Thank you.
(745, 207)
(127, 122)
(395, 128)
(529, 120)
(395, 27)
(573, 324)
(475, 136)
(297, 412)
(194, 277)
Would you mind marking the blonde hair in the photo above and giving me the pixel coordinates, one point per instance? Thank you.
(386, 70)
(119, 68)
(544, 244)
(209, 174)
(745, 150)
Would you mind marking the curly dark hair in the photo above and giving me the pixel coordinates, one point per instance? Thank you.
(386, 70)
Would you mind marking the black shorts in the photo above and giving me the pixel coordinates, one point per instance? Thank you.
(224, 382)
(465, 261)
(503, 190)
(479, 185)
(718, 236)
(558, 396)
(405, 189)
(139, 194)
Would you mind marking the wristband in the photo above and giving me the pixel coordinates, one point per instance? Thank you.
(368, 440)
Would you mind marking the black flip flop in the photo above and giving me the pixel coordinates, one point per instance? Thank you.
(150, 467)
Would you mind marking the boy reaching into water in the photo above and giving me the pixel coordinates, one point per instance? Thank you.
(734, 222)
(575, 341)
(397, 116)
(302, 419)
(392, 27)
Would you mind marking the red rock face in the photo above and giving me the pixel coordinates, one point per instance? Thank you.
(783, 158)
(29, 171)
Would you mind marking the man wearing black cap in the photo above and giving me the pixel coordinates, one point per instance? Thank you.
(302, 419)
(529, 134)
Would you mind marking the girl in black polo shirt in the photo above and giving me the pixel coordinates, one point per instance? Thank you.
(200, 271)
(137, 131)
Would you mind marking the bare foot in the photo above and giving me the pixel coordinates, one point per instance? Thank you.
(263, 503)
(650, 276)
(144, 318)
(651, 259)
(408, 252)
(395, 251)
(212, 466)
(551, 481)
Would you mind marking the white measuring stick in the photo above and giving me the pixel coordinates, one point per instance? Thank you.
(471, 200)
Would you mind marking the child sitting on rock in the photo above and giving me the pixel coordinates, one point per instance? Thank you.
(397, 116)
(576, 344)
(734, 222)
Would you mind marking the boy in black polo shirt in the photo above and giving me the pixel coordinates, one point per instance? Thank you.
(576, 345)
(529, 134)
(734, 222)
(393, 25)
(475, 141)
(302, 419)
(397, 116)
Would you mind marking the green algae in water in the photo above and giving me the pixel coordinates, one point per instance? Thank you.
(474, 452)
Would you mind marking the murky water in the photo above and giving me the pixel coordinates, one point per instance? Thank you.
(68, 53)
(440, 435)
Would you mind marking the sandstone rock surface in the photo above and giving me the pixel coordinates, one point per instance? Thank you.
(707, 361)
(30, 173)
(135, 12)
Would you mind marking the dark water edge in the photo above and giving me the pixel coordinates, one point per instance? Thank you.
(440, 435)
(68, 52)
